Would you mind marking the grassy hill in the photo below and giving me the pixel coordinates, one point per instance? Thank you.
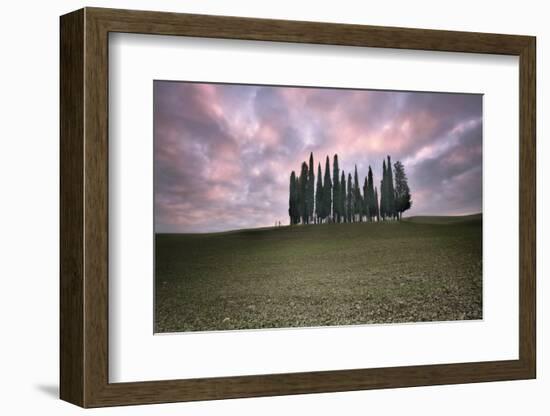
(419, 269)
(438, 219)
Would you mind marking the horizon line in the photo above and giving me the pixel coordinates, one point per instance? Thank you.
(266, 227)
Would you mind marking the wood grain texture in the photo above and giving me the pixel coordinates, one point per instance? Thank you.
(528, 208)
(226, 27)
(84, 207)
(71, 208)
(96, 217)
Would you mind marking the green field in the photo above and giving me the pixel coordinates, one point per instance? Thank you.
(419, 269)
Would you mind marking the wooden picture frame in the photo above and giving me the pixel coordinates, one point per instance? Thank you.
(84, 207)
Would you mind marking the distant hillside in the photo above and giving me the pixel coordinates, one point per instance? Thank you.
(347, 227)
(440, 219)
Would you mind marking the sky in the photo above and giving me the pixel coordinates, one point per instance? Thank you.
(224, 153)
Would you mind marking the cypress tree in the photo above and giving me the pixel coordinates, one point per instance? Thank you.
(342, 203)
(383, 191)
(371, 200)
(357, 202)
(293, 200)
(376, 207)
(335, 190)
(349, 202)
(319, 195)
(302, 193)
(390, 191)
(327, 190)
(310, 189)
(402, 192)
(365, 210)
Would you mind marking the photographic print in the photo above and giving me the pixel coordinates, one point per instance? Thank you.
(287, 206)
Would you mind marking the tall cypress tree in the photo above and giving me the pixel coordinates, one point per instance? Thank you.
(357, 202)
(390, 191)
(342, 195)
(371, 202)
(402, 192)
(366, 203)
(302, 193)
(310, 189)
(293, 200)
(335, 190)
(349, 202)
(319, 196)
(327, 190)
(376, 206)
(383, 191)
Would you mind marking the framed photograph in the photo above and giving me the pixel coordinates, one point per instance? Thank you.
(255, 207)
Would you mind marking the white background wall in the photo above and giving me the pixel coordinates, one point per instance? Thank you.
(29, 85)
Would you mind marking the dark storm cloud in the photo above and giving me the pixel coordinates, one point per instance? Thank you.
(451, 179)
(224, 153)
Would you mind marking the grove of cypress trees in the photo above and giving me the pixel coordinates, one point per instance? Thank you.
(327, 190)
(339, 198)
(402, 192)
(335, 190)
(319, 196)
